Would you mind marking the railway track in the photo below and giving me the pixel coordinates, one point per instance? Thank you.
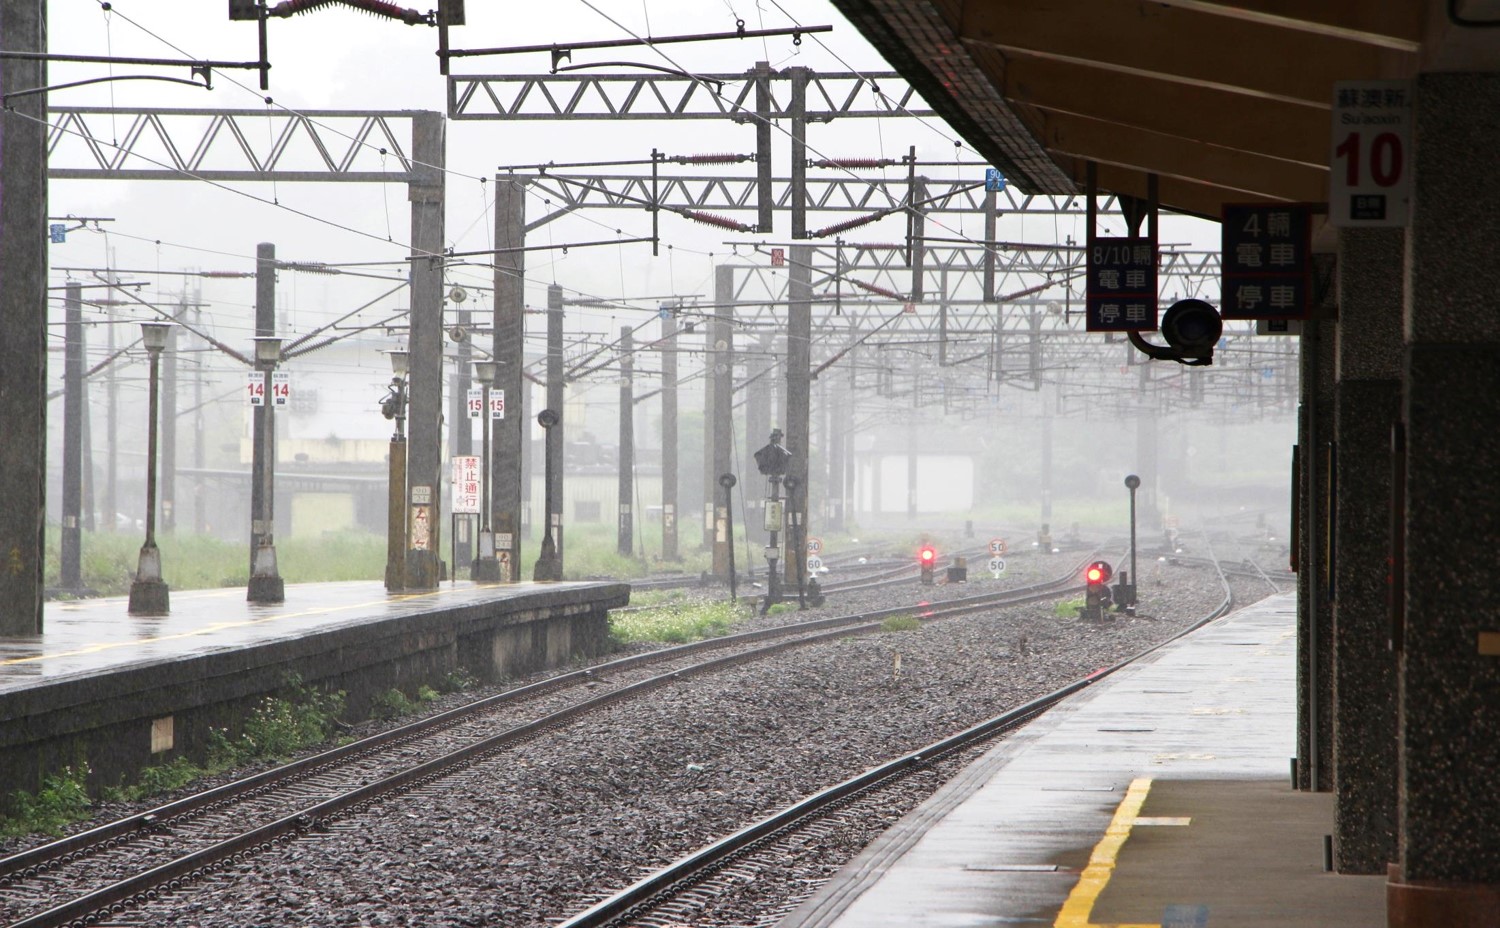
(109, 870)
(680, 893)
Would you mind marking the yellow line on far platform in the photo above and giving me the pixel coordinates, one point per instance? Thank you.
(1079, 907)
(220, 626)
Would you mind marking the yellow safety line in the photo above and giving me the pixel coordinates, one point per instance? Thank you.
(220, 626)
(1079, 907)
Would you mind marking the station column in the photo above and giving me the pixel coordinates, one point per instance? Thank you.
(1447, 636)
(1367, 401)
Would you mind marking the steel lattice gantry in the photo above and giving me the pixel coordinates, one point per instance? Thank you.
(320, 146)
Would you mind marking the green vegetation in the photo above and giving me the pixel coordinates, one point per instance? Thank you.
(458, 681)
(901, 623)
(63, 799)
(779, 608)
(1067, 608)
(677, 624)
(276, 727)
(657, 597)
(195, 562)
(393, 703)
(591, 551)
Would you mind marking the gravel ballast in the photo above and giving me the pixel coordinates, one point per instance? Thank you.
(540, 831)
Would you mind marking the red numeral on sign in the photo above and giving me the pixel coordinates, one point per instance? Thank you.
(1386, 159)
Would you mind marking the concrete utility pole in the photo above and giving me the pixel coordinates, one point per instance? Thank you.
(669, 546)
(626, 535)
(425, 414)
(111, 503)
(798, 413)
(757, 423)
(554, 457)
(169, 426)
(798, 340)
(508, 472)
(23, 313)
(838, 424)
(263, 455)
(74, 354)
(719, 427)
(461, 429)
(200, 451)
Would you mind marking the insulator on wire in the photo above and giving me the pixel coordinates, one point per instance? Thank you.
(848, 224)
(229, 275)
(855, 163)
(378, 7)
(880, 291)
(723, 222)
(308, 267)
(715, 158)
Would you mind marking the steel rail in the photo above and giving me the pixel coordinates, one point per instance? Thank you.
(143, 887)
(629, 903)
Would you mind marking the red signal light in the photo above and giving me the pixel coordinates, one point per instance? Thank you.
(928, 555)
(1096, 575)
(1098, 572)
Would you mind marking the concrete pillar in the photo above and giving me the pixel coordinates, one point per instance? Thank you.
(625, 485)
(757, 433)
(263, 450)
(1314, 609)
(1449, 642)
(71, 541)
(23, 313)
(1367, 401)
(461, 428)
(424, 446)
(511, 437)
(798, 412)
(554, 436)
(168, 476)
(719, 426)
(669, 449)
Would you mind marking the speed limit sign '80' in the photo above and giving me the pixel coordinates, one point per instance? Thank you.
(1370, 164)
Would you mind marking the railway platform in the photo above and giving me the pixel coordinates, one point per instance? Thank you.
(123, 691)
(1159, 797)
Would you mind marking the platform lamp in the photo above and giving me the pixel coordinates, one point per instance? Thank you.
(393, 406)
(148, 592)
(549, 565)
(486, 567)
(265, 585)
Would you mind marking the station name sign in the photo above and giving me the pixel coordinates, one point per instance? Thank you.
(1369, 166)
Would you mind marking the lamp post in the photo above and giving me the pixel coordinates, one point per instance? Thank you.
(265, 585)
(549, 565)
(393, 406)
(486, 568)
(148, 592)
(1132, 483)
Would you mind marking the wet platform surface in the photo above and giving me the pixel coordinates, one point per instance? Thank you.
(1159, 797)
(97, 635)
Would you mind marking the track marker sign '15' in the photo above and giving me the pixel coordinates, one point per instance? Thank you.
(1370, 164)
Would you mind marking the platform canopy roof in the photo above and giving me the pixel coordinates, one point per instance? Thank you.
(1225, 100)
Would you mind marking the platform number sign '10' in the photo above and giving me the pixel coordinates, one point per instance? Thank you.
(1370, 161)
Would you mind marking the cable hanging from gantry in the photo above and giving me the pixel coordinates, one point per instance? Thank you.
(563, 51)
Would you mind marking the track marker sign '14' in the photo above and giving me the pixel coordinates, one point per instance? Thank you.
(1370, 166)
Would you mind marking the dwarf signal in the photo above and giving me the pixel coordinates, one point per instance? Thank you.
(1097, 595)
(927, 559)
